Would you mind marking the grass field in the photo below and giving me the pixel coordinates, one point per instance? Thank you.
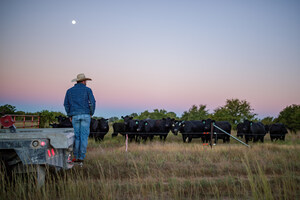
(173, 170)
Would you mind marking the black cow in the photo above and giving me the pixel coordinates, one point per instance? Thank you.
(177, 127)
(174, 123)
(98, 128)
(185, 129)
(63, 122)
(189, 129)
(160, 127)
(198, 130)
(141, 126)
(277, 131)
(226, 126)
(165, 127)
(131, 126)
(240, 130)
(252, 131)
(126, 119)
(141, 132)
(118, 128)
(150, 127)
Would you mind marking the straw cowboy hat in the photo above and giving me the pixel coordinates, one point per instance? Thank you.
(81, 77)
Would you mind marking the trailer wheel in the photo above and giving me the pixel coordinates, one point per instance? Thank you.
(10, 160)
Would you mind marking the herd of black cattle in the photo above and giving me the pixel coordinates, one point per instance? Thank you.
(148, 128)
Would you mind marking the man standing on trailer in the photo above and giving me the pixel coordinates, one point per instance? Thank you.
(80, 106)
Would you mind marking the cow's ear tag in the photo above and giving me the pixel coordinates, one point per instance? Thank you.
(146, 123)
(136, 122)
(203, 122)
(251, 124)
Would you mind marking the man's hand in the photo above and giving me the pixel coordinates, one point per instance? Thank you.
(70, 119)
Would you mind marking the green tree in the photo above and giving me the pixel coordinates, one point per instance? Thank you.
(234, 111)
(195, 113)
(113, 119)
(20, 113)
(7, 109)
(267, 120)
(144, 115)
(47, 117)
(171, 115)
(156, 114)
(134, 115)
(290, 116)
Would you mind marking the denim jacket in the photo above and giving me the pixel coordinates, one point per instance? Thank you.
(79, 100)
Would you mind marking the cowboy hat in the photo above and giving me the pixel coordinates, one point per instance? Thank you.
(81, 77)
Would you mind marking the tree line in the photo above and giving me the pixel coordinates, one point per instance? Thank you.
(234, 111)
(46, 116)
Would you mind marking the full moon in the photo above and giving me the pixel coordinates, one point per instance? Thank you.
(73, 22)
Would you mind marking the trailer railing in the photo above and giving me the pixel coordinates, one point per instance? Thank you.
(26, 121)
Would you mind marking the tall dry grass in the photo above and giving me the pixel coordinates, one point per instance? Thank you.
(172, 170)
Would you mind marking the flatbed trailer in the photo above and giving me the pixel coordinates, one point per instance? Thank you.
(32, 150)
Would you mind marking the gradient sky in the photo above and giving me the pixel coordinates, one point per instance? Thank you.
(164, 54)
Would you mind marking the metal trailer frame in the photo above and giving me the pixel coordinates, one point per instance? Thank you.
(32, 150)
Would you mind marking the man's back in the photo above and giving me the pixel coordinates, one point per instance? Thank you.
(79, 100)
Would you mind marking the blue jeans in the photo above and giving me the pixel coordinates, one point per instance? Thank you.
(81, 124)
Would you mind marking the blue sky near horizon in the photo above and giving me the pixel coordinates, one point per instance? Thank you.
(144, 55)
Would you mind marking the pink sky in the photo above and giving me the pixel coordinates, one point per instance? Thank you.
(147, 55)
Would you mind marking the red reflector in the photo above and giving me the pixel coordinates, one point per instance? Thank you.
(43, 143)
(53, 153)
(49, 153)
